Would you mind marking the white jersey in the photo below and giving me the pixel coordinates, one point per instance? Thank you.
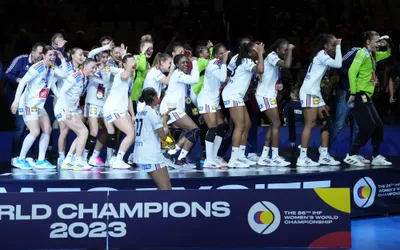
(215, 74)
(152, 80)
(147, 142)
(240, 78)
(99, 85)
(73, 88)
(271, 76)
(177, 88)
(317, 70)
(117, 100)
(38, 81)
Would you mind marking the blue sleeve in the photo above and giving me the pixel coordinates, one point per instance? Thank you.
(12, 73)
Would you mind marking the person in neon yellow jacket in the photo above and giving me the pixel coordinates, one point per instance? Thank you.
(363, 80)
(142, 67)
(204, 57)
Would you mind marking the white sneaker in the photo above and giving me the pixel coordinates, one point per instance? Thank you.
(130, 159)
(306, 162)
(328, 160)
(264, 161)
(363, 160)
(237, 164)
(31, 161)
(279, 161)
(81, 166)
(60, 162)
(120, 164)
(220, 161)
(68, 163)
(247, 161)
(211, 164)
(110, 162)
(354, 160)
(253, 157)
(380, 161)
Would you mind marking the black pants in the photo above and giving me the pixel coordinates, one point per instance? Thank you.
(369, 123)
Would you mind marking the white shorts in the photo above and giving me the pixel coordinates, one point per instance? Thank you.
(93, 110)
(229, 103)
(175, 115)
(60, 115)
(208, 108)
(31, 113)
(265, 103)
(311, 101)
(114, 116)
(151, 167)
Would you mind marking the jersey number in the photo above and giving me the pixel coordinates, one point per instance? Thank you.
(139, 125)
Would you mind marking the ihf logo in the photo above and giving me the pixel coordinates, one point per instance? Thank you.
(364, 192)
(264, 217)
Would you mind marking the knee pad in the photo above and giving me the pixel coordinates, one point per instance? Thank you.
(111, 141)
(327, 122)
(90, 142)
(212, 132)
(221, 130)
(176, 133)
(193, 134)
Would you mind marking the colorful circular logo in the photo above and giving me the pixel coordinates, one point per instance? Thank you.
(264, 217)
(364, 192)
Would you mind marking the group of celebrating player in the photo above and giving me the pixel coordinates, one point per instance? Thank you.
(123, 94)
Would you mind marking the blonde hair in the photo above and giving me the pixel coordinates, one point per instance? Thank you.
(159, 59)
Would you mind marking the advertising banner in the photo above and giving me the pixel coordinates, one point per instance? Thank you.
(175, 219)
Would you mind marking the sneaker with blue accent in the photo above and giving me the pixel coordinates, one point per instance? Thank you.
(21, 163)
(44, 165)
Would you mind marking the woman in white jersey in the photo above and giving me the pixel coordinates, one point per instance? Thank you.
(118, 111)
(40, 78)
(74, 65)
(243, 67)
(97, 92)
(174, 97)
(311, 99)
(279, 55)
(67, 111)
(156, 78)
(208, 104)
(151, 128)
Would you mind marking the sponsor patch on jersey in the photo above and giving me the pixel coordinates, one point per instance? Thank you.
(33, 109)
(78, 77)
(109, 117)
(93, 110)
(226, 102)
(201, 108)
(316, 100)
(40, 67)
(273, 101)
(58, 116)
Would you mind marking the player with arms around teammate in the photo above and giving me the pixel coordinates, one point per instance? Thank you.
(279, 55)
(40, 78)
(311, 99)
(363, 79)
(150, 129)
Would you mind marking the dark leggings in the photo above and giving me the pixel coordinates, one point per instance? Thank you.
(369, 122)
